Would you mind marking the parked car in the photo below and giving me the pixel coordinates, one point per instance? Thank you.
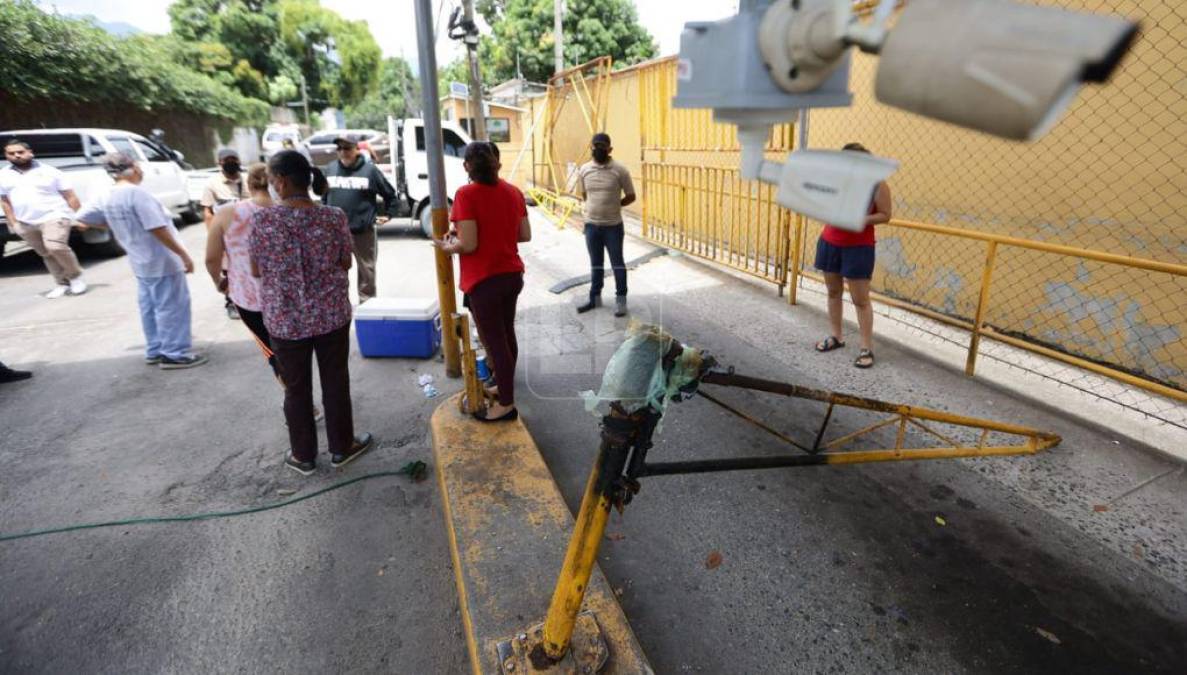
(375, 144)
(79, 153)
(275, 136)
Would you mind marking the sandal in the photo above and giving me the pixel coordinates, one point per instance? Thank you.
(865, 359)
(828, 344)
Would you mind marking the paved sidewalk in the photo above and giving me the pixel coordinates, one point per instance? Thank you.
(847, 567)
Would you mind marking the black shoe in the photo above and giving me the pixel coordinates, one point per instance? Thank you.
(595, 301)
(152, 360)
(9, 375)
(181, 363)
(508, 416)
(362, 443)
(303, 468)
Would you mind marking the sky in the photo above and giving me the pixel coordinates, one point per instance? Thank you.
(392, 21)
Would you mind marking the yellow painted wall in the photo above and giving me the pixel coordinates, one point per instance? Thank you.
(1112, 176)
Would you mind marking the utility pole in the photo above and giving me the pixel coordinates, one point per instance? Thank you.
(305, 99)
(478, 115)
(426, 43)
(558, 36)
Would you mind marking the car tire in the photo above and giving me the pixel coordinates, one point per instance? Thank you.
(108, 249)
(426, 221)
(192, 215)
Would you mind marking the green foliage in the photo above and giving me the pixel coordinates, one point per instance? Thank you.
(50, 57)
(282, 89)
(592, 28)
(458, 71)
(395, 81)
(339, 58)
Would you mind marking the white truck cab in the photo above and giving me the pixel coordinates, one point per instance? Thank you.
(409, 165)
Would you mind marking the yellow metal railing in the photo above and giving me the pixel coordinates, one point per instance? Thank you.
(979, 327)
(557, 208)
(711, 213)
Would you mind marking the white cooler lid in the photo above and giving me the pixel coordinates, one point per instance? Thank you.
(404, 309)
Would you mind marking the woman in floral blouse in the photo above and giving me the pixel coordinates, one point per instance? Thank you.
(301, 251)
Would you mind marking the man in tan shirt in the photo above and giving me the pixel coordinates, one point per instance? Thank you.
(606, 187)
(227, 186)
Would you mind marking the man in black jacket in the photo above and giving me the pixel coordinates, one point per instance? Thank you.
(354, 183)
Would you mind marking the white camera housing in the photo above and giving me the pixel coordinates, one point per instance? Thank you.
(1000, 67)
(833, 186)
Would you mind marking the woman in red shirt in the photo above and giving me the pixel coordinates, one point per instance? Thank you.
(848, 258)
(491, 220)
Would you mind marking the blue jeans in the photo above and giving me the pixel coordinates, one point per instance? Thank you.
(165, 315)
(608, 237)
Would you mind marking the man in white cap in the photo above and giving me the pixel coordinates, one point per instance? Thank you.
(226, 186)
(39, 204)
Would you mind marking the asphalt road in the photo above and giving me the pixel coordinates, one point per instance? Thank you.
(357, 580)
(830, 569)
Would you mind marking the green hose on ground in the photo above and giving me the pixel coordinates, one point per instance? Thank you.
(414, 470)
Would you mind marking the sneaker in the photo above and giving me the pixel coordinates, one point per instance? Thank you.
(9, 375)
(77, 286)
(57, 292)
(232, 313)
(181, 363)
(595, 301)
(153, 360)
(362, 443)
(620, 306)
(303, 468)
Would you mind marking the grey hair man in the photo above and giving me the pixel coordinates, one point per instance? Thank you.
(145, 229)
(39, 204)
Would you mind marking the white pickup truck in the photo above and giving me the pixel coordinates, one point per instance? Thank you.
(79, 153)
(408, 166)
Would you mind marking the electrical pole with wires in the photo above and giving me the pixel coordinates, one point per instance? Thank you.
(468, 34)
(558, 36)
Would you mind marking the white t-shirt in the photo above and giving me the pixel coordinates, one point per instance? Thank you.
(132, 212)
(36, 194)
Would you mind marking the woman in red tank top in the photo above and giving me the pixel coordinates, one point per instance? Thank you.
(846, 257)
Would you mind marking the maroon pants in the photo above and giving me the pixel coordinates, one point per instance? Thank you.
(492, 302)
(296, 362)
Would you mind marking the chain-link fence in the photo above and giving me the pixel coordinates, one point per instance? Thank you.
(1111, 178)
(1072, 247)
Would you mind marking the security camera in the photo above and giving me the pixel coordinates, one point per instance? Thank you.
(1000, 67)
(997, 66)
(992, 65)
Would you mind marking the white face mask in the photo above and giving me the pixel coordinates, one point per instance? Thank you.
(273, 193)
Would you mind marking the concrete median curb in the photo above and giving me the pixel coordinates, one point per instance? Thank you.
(508, 527)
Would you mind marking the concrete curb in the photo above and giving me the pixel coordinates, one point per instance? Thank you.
(508, 527)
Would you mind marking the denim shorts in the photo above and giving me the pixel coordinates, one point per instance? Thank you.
(851, 262)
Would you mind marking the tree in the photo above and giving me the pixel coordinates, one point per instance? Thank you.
(456, 71)
(339, 58)
(395, 81)
(592, 28)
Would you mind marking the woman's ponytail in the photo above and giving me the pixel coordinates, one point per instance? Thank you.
(320, 185)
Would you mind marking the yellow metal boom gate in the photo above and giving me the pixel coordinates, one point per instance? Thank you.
(622, 460)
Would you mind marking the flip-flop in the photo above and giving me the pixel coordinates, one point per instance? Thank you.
(828, 344)
(864, 354)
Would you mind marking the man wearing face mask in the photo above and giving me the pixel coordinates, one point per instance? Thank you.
(606, 187)
(354, 185)
(226, 186)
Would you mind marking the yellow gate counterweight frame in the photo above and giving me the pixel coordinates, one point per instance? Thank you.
(622, 460)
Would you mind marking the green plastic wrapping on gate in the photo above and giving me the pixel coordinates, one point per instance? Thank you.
(635, 376)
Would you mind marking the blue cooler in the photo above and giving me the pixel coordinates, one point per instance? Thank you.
(408, 327)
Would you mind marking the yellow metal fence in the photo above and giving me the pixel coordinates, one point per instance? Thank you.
(1072, 248)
